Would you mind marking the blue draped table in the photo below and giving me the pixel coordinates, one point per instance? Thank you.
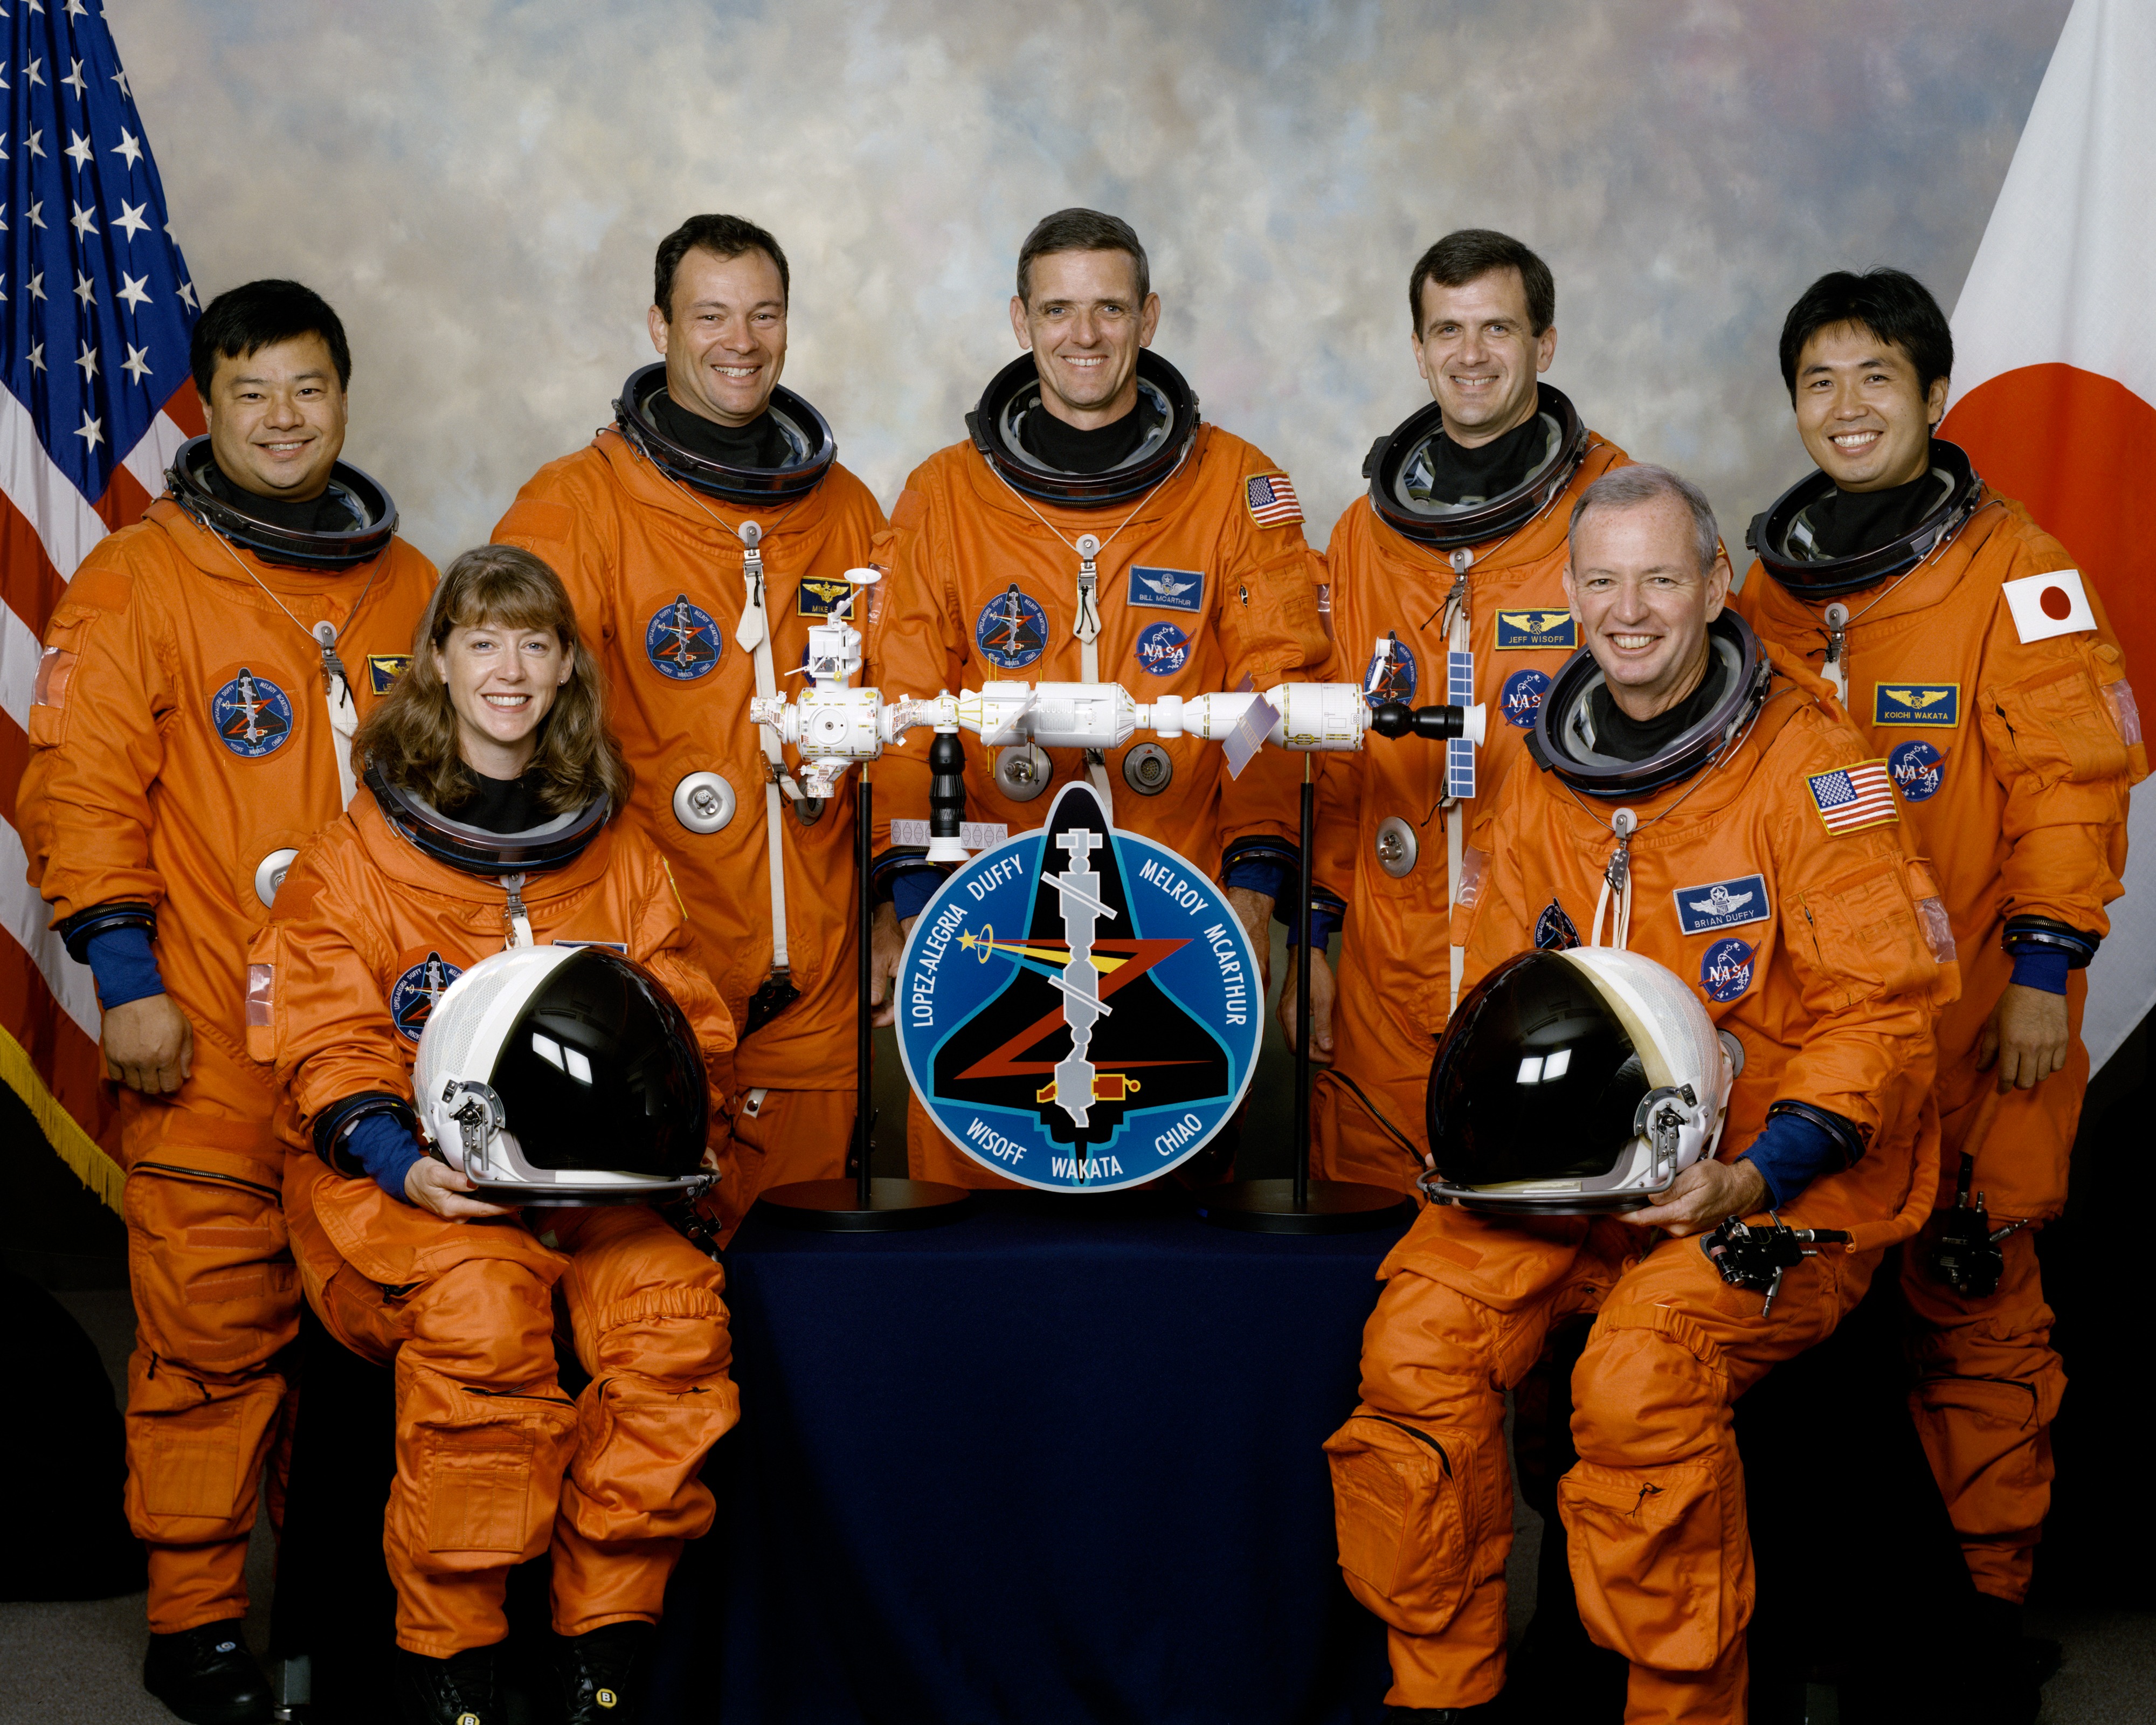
(1058, 1461)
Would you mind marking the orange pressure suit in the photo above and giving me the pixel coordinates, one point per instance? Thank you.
(1209, 582)
(494, 1463)
(181, 738)
(656, 573)
(2013, 761)
(1831, 996)
(1395, 984)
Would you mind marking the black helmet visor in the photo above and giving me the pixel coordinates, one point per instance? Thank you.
(1537, 1079)
(602, 1071)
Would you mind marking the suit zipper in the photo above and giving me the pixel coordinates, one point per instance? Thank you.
(1423, 1438)
(203, 1173)
(517, 1395)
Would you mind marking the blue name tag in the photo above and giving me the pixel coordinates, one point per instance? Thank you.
(1167, 589)
(1925, 704)
(1537, 631)
(1723, 904)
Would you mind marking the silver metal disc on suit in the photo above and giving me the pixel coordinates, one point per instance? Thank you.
(1021, 771)
(270, 874)
(1396, 847)
(1147, 768)
(704, 802)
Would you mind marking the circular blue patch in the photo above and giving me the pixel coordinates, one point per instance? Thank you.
(1164, 650)
(1918, 770)
(1521, 697)
(1108, 1079)
(1392, 678)
(682, 641)
(1726, 972)
(252, 714)
(1012, 630)
(412, 995)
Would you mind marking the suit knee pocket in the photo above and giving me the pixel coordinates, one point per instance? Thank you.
(1659, 1562)
(1399, 1502)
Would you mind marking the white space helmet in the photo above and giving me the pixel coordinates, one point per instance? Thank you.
(566, 1075)
(1577, 1081)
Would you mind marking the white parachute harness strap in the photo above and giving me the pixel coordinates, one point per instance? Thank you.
(1087, 626)
(1838, 617)
(752, 634)
(1459, 638)
(1617, 874)
(1617, 879)
(515, 922)
(336, 684)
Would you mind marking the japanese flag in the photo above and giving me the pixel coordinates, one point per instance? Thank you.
(2049, 604)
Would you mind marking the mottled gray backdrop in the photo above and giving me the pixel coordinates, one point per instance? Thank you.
(478, 187)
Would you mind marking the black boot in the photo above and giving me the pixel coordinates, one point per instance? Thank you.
(461, 1690)
(2031, 1661)
(207, 1676)
(603, 1674)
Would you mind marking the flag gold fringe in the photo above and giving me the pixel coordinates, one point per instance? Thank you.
(63, 1131)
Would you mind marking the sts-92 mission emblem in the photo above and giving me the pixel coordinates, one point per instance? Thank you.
(1079, 1007)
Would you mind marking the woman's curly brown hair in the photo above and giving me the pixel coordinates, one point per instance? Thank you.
(411, 736)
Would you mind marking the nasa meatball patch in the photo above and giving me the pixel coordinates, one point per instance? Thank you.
(252, 717)
(1726, 972)
(1918, 770)
(1723, 904)
(1164, 650)
(682, 641)
(1012, 630)
(1521, 698)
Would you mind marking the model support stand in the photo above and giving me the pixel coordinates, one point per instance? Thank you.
(864, 1204)
(1301, 1205)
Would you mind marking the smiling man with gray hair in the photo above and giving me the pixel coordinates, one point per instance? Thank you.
(1705, 804)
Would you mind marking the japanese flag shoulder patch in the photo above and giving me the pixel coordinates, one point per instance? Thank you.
(1271, 499)
(1851, 798)
(2054, 603)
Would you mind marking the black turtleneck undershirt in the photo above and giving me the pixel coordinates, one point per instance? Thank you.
(1844, 523)
(1616, 732)
(1459, 474)
(502, 805)
(327, 513)
(1067, 448)
(760, 442)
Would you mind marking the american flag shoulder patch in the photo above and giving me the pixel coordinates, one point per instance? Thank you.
(1851, 798)
(1271, 500)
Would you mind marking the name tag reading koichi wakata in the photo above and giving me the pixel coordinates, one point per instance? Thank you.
(1079, 1007)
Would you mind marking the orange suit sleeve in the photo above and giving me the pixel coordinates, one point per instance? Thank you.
(1270, 633)
(1866, 980)
(96, 731)
(325, 1026)
(914, 645)
(2062, 738)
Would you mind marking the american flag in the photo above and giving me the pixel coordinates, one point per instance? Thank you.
(95, 308)
(1272, 499)
(1852, 797)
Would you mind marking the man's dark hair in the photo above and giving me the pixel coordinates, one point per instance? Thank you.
(723, 237)
(260, 314)
(1891, 303)
(1081, 230)
(1469, 254)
